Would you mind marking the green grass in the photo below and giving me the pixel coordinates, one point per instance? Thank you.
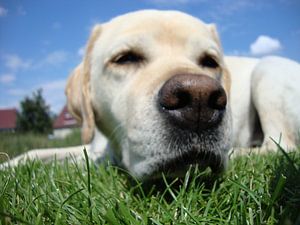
(256, 189)
(15, 143)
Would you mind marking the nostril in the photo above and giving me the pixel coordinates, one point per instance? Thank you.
(184, 98)
(217, 99)
(175, 100)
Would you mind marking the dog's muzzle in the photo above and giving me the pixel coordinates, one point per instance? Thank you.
(192, 102)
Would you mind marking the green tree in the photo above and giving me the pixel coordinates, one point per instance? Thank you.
(34, 115)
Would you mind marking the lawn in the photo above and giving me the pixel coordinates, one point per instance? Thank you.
(15, 143)
(256, 189)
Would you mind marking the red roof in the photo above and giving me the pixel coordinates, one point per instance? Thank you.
(64, 120)
(8, 119)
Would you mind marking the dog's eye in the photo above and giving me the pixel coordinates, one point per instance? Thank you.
(128, 58)
(209, 62)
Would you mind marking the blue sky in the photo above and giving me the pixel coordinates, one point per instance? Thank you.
(41, 41)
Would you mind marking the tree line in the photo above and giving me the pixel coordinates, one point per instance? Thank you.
(34, 115)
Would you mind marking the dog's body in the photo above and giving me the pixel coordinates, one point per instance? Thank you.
(157, 86)
(264, 96)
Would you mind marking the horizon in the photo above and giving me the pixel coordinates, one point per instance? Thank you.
(42, 42)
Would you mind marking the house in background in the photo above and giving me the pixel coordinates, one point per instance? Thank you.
(64, 124)
(8, 120)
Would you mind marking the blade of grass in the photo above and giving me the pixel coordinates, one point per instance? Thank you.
(111, 218)
(88, 184)
(279, 187)
(278, 190)
(251, 193)
(70, 196)
(286, 155)
(4, 187)
(169, 186)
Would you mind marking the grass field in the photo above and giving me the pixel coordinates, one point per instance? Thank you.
(256, 189)
(16, 143)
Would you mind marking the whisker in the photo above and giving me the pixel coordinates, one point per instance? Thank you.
(115, 132)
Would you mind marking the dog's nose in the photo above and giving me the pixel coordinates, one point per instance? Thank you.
(191, 101)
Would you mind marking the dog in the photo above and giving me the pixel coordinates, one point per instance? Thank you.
(154, 93)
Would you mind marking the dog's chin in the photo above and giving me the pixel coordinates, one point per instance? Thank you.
(189, 150)
(179, 165)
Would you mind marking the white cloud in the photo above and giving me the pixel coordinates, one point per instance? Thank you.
(265, 45)
(3, 11)
(7, 78)
(15, 62)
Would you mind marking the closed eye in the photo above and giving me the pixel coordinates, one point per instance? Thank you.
(128, 57)
(208, 62)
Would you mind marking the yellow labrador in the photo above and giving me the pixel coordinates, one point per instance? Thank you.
(155, 88)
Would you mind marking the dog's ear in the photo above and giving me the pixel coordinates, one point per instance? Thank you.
(73, 92)
(226, 80)
(215, 35)
(226, 73)
(78, 91)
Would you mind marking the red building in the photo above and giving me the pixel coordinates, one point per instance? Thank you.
(64, 124)
(8, 120)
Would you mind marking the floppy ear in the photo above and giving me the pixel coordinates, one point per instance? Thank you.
(226, 74)
(73, 92)
(226, 80)
(213, 30)
(78, 91)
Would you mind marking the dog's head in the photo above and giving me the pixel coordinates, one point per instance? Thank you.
(155, 83)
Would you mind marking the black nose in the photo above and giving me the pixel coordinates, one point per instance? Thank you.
(191, 101)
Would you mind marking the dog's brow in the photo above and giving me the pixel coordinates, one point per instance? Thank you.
(213, 51)
(137, 42)
(204, 44)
